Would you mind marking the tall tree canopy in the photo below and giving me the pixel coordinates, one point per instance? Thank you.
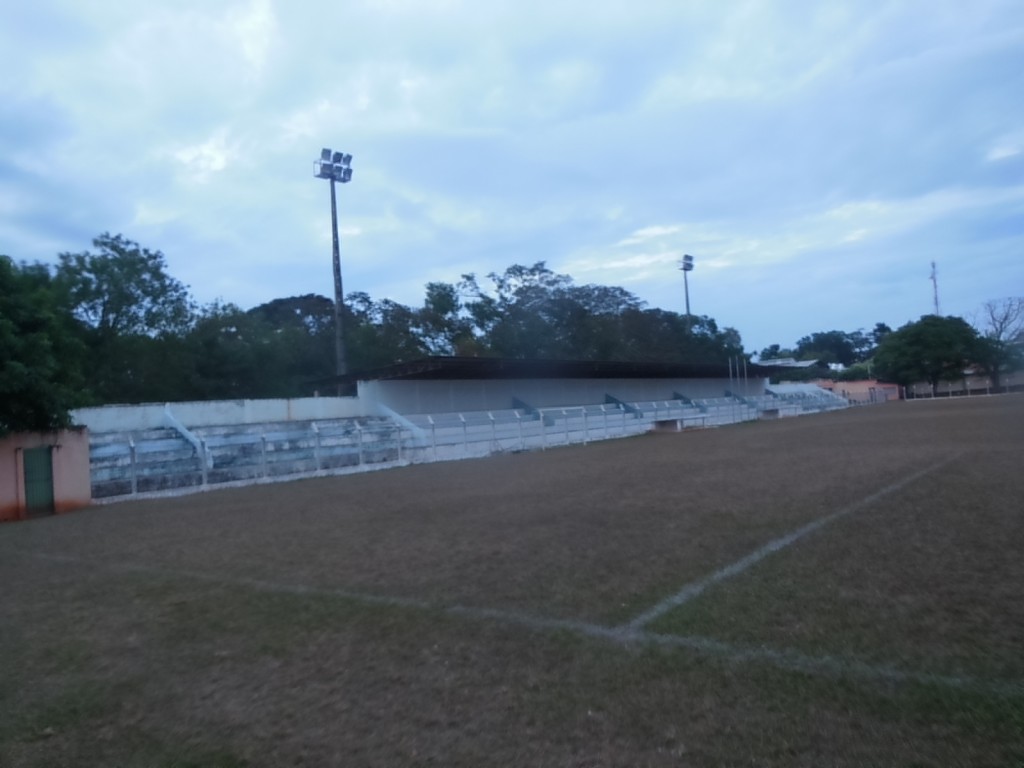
(146, 340)
(40, 355)
(933, 349)
(124, 289)
(134, 314)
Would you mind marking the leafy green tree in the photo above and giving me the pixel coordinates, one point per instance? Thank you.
(133, 313)
(40, 355)
(775, 352)
(532, 312)
(830, 347)
(855, 372)
(879, 332)
(381, 333)
(124, 289)
(441, 324)
(932, 349)
(234, 354)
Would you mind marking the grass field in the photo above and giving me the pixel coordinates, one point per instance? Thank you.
(845, 589)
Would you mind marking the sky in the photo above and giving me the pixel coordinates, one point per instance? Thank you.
(814, 157)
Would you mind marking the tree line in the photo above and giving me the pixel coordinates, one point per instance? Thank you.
(112, 325)
(932, 349)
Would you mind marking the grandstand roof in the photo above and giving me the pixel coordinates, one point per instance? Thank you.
(788, 362)
(434, 368)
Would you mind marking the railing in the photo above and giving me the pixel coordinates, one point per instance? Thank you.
(154, 464)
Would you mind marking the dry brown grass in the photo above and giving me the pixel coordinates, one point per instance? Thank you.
(146, 642)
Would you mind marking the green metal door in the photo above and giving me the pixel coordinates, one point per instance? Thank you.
(39, 481)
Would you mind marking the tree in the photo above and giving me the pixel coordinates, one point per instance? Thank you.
(381, 332)
(831, 347)
(1002, 330)
(40, 356)
(133, 314)
(879, 332)
(440, 323)
(775, 352)
(532, 312)
(124, 289)
(932, 349)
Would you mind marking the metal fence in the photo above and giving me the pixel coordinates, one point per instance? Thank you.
(166, 462)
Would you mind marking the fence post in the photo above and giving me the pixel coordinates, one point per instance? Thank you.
(522, 442)
(465, 435)
(131, 458)
(398, 438)
(543, 432)
(202, 461)
(263, 454)
(316, 445)
(494, 432)
(359, 432)
(586, 428)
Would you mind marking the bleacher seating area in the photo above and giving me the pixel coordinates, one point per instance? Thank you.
(163, 459)
(176, 459)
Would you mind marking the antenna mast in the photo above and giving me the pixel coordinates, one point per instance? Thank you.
(935, 288)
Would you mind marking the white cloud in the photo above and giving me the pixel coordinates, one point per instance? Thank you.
(201, 161)
(1006, 146)
(152, 214)
(609, 143)
(253, 28)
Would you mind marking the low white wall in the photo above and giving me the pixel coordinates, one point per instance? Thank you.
(483, 395)
(120, 418)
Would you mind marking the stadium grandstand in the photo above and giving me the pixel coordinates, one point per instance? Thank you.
(433, 409)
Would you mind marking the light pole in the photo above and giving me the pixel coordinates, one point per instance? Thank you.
(686, 265)
(336, 166)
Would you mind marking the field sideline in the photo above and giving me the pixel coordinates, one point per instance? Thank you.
(838, 589)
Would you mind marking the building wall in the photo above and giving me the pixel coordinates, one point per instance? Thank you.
(865, 391)
(121, 418)
(1012, 381)
(483, 395)
(71, 489)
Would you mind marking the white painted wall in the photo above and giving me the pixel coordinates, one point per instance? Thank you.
(119, 418)
(483, 395)
(409, 397)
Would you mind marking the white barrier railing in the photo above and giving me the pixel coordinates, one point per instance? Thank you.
(321, 448)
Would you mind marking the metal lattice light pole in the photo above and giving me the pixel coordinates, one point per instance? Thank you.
(336, 166)
(686, 265)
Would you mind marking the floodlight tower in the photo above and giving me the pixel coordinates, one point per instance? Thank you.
(686, 265)
(336, 166)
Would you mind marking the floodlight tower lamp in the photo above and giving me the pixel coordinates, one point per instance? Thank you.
(686, 265)
(336, 167)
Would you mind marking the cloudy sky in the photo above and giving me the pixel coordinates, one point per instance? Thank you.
(814, 157)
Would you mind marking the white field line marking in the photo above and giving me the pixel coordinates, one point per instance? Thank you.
(696, 588)
(821, 666)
